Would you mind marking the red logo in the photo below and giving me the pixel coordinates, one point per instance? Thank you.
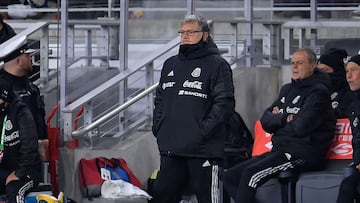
(343, 149)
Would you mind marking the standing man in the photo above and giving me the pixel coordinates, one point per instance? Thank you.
(302, 123)
(348, 191)
(17, 65)
(194, 99)
(20, 165)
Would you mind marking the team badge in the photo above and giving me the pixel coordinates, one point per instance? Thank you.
(196, 72)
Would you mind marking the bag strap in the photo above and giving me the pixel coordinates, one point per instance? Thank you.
(116, 163)
(83, 177)
(103, 161)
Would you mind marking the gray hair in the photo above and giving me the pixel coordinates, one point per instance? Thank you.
(311, 54)
(203, 23)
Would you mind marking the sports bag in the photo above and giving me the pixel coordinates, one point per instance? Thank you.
(239, 141)
(91, 177)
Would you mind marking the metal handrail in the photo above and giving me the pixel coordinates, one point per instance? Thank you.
(28, 31)
(114, 112)
(76, 104)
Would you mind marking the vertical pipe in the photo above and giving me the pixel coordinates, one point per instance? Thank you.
(124, 7)
(190, 7)
(123, 34)
(249, 30)
(63, 53)
(313, 18)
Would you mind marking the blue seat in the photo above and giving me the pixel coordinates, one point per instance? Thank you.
(321, 186)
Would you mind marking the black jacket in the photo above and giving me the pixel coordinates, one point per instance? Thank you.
(354, 117)
(30, 95)
(340, 101)
(194, 99)
(6, 33)
(309, 134)
(21, 143)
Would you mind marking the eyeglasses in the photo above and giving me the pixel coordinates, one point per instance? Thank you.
(188, 32)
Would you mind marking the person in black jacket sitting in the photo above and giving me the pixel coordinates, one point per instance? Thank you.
(332, 62)
(349, 186)
(194, 101)
(302, 123)
(20, 164)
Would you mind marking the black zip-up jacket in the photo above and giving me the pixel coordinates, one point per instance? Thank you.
(354, 117)
(341, 100)
(30, 95)
(194, 99)
(6, 33)
(309, 134)
(21, 143)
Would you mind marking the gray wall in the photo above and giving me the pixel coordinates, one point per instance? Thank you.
(255, 89)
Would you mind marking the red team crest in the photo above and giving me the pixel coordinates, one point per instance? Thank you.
(340, 147)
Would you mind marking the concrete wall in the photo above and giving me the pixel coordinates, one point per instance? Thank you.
(255, 89)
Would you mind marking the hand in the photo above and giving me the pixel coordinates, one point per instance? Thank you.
(358, 167)
(276, 110)
(11, 177)
(289, 118)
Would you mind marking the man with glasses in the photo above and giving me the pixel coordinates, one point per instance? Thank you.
(17, 65)
(194, 99)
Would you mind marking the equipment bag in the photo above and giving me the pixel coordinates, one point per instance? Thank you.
(92, 177)
(239, 141)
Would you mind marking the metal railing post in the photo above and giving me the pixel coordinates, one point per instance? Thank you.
(150, 97)
(249, 16)
(44, 56)
(190, 7)
(63, 69)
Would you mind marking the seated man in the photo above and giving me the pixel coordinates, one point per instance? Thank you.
(303, 125)
(349, 186)
(332, 62)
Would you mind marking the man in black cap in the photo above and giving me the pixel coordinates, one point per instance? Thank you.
(20, 165)
(17, 65)
(349, 186)
(332, 62)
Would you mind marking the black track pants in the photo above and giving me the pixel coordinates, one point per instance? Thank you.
(178, 174)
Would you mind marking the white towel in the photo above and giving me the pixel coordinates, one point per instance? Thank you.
(122, 189)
